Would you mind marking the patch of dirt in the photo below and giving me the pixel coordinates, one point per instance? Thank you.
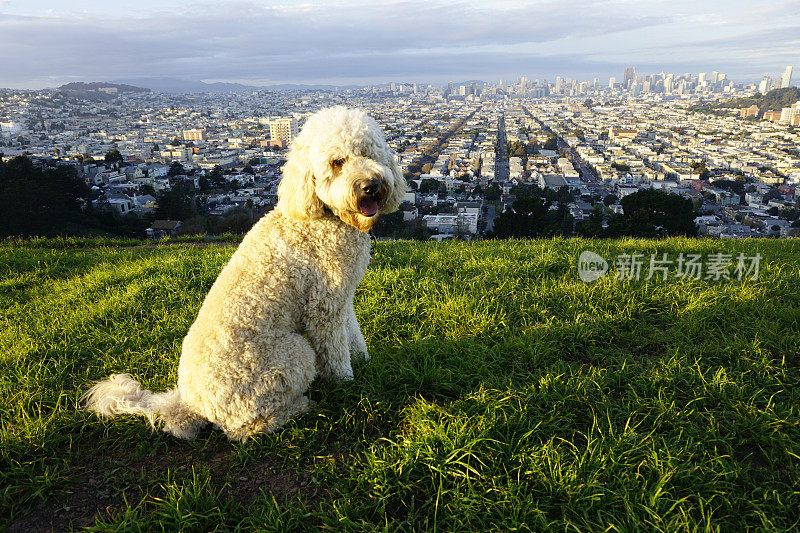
(76, 507)
(754, 455)
(108, 479)
(645, 356)
(267, 477)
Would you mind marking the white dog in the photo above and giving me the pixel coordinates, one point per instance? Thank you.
(281, 311)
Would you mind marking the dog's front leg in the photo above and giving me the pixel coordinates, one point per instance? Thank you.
(330, 341)
(358, 346)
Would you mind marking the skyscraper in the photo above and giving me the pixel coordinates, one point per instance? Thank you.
(611, 82)
(630, 76)
(786, 79)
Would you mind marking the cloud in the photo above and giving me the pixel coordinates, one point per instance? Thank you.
(781, 35)
(363, 40)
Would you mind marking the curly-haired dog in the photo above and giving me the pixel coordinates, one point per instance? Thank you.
(281, 311)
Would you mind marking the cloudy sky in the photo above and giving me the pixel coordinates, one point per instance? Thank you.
(46, 43)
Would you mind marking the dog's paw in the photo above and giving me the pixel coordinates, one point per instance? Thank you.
(344, 376)
(336, 375)
(361, 355)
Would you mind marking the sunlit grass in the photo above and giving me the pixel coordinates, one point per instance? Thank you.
(503, 393)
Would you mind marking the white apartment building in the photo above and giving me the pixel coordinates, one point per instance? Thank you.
(283, 130)
(194, 135)
(788, 113)
(9, 129)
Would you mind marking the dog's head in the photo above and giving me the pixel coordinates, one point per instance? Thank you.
(340, 161)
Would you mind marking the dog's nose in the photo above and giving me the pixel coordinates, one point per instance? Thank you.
(370, 187)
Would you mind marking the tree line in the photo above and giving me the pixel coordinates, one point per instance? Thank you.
(538, 212)
(49, 199)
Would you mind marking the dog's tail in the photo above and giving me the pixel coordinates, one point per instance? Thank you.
(120, 394)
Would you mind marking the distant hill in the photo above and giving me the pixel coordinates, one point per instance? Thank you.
(302, 87)
(99, 90)
(468, 82)
(179, 85)
(775, 100)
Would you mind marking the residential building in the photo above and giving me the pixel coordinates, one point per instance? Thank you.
(283, 130)
(747, 112)
(194, 135)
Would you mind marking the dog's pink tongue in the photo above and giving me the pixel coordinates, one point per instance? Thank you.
(369, 207)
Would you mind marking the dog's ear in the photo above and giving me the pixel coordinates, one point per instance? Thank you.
(296, 196)
(397, 183)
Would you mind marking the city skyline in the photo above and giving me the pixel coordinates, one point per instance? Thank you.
(49, 43)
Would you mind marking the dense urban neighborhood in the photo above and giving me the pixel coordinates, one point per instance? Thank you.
(528, 158)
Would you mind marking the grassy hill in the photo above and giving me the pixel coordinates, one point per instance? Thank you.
(774, 100)
(503, 393)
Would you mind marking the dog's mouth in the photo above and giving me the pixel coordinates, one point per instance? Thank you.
(369, 205)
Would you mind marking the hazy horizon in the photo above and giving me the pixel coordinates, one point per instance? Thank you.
(45, 44)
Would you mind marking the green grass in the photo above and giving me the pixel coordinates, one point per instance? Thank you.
(503, 394)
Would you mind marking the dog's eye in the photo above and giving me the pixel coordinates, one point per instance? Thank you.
(337, 162)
